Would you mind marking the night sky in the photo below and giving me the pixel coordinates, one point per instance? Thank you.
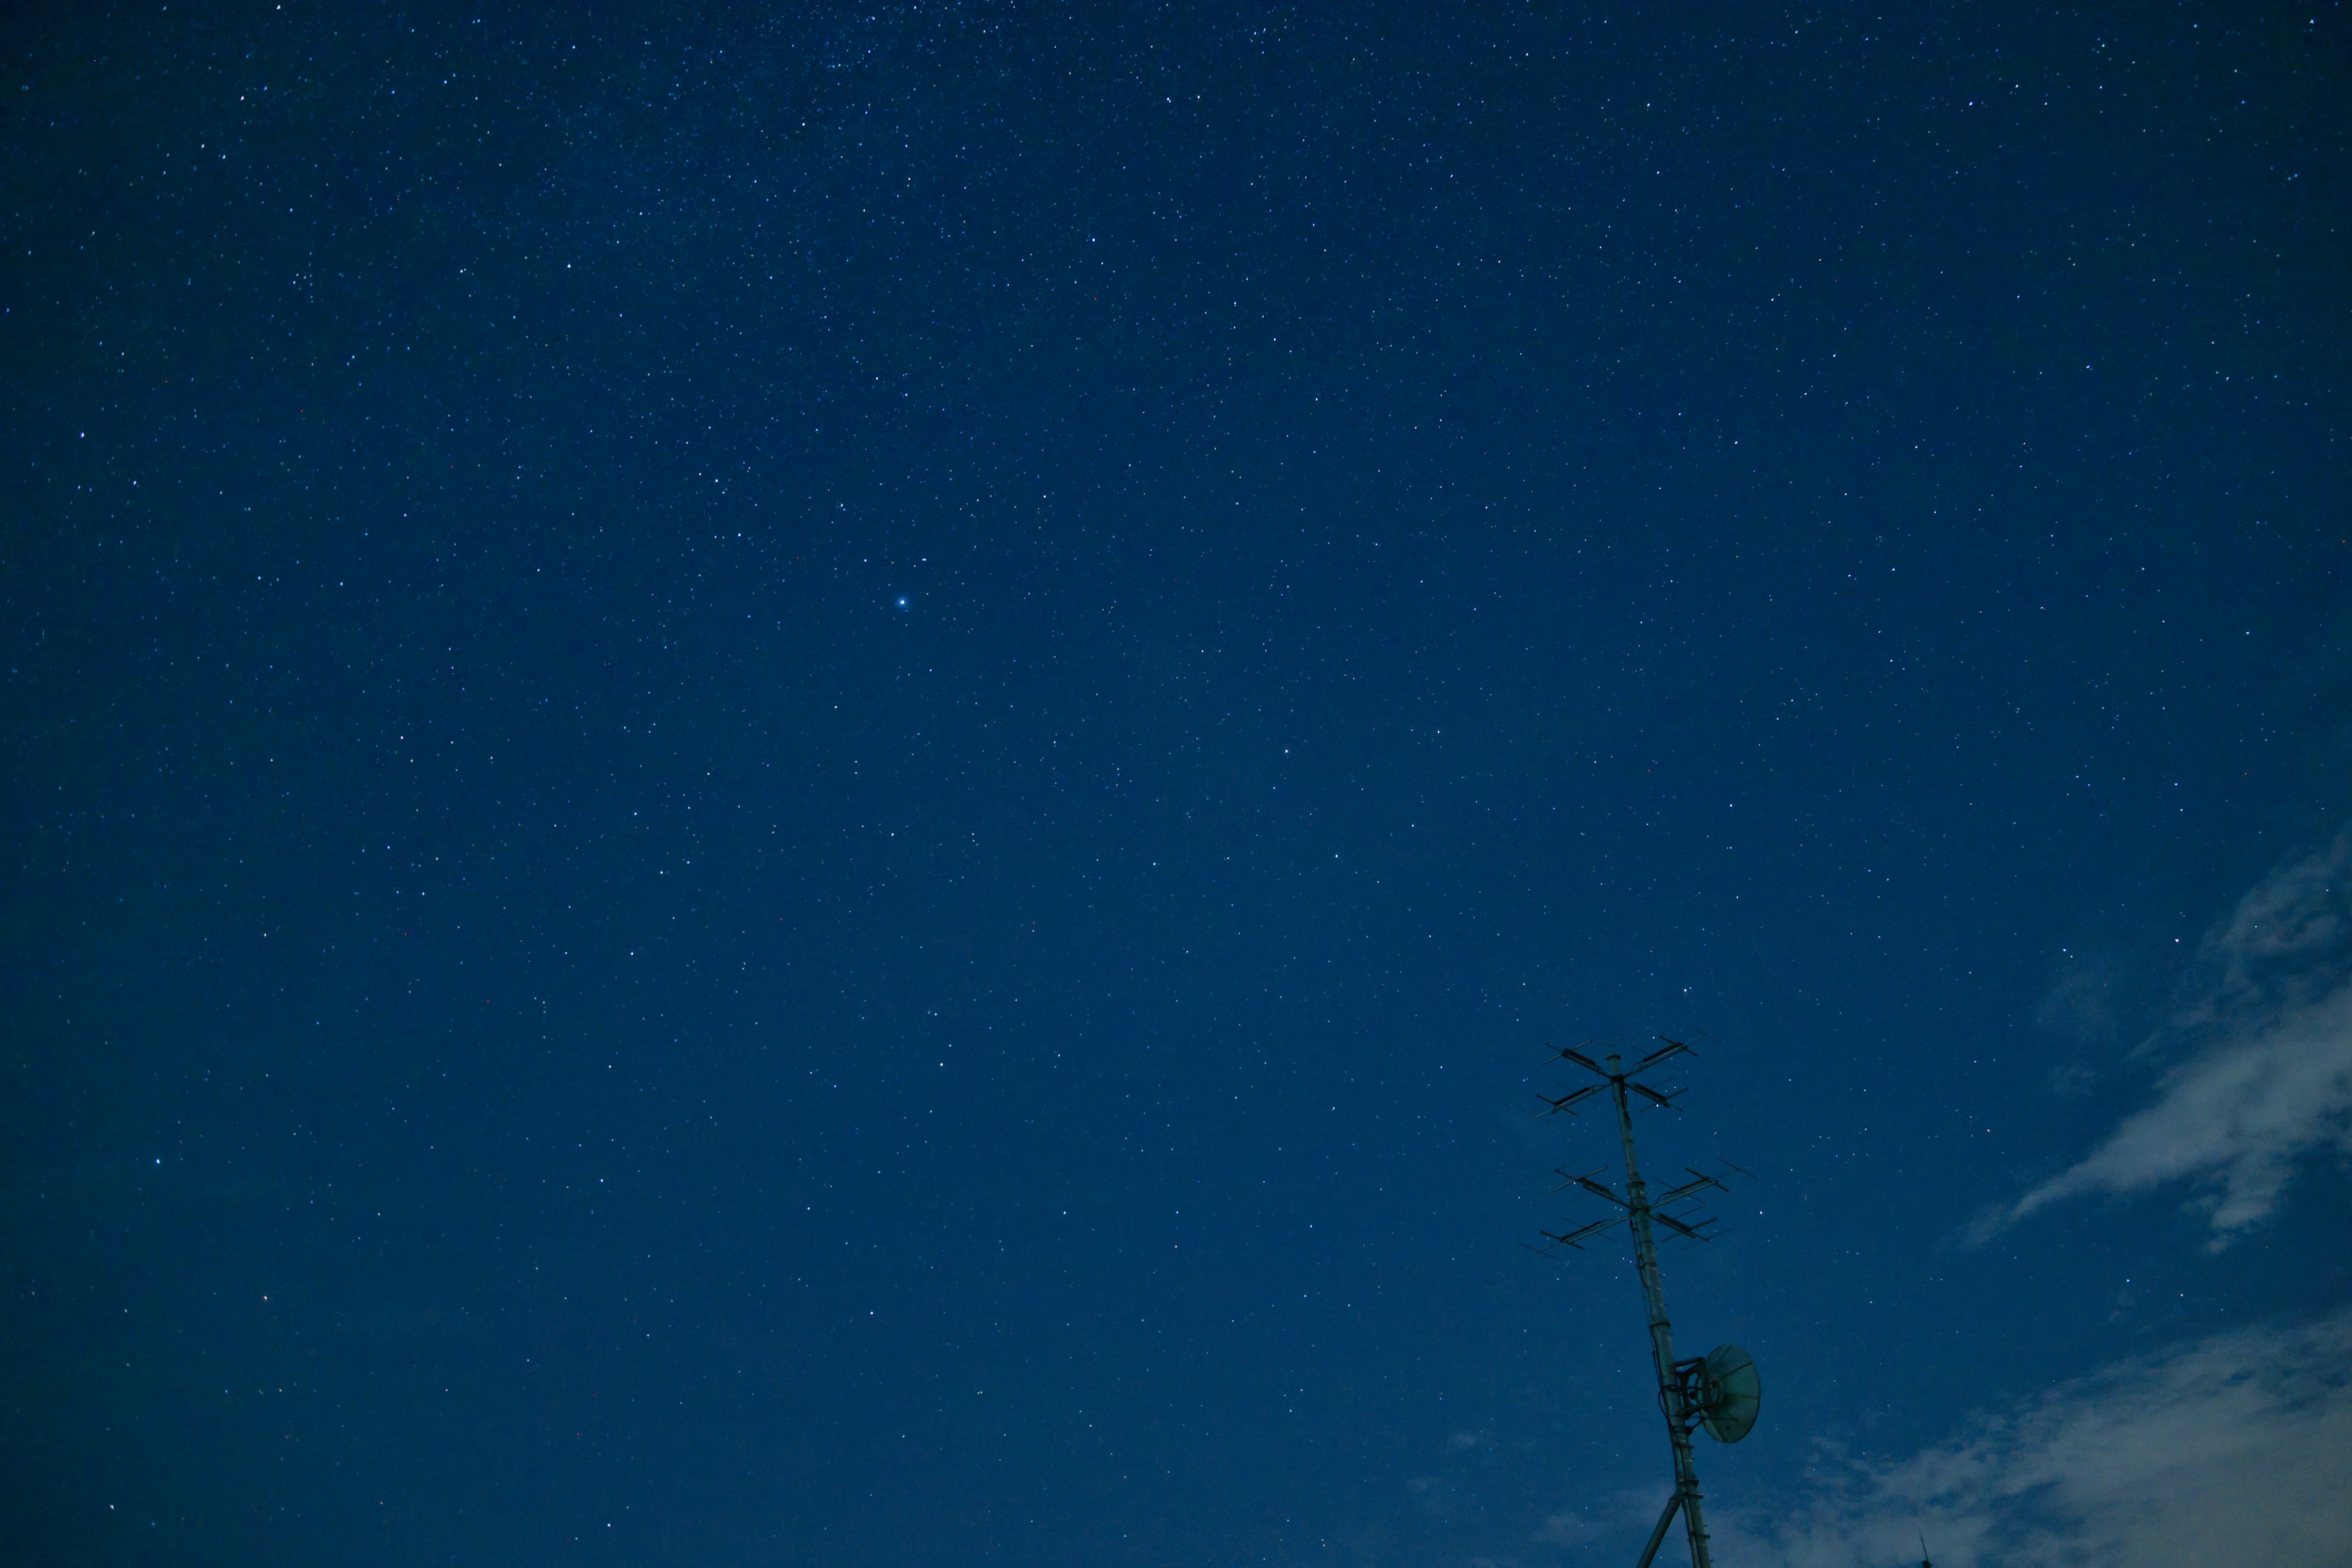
(813, 787)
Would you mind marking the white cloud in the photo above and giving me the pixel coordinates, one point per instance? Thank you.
(2081, 1002)
(2234, 1450)
(2236, 1118)
(2266, 1034)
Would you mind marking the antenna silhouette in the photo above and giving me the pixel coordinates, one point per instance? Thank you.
(1719, 1391)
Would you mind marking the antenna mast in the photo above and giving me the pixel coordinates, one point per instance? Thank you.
(1718, 1390)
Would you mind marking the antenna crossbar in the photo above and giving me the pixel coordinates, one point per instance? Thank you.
(1570, 1053)
(1693, 1232)
(1567, 1102)
(1576, 1238)
(1671, 1048)
(1598, 1189)
(1702, 1182)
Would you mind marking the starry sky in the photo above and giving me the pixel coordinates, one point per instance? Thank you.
(812, 786)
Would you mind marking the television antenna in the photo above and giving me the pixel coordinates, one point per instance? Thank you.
(1717, 1392)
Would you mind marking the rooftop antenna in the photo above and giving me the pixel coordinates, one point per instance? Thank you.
(1719, 1391)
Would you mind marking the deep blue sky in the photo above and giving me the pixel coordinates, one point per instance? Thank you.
(813, 788)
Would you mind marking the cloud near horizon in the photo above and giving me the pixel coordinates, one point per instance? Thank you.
(2267, 1074)
(2234, 1448)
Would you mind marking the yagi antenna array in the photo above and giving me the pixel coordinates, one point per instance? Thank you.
(1718, 1392)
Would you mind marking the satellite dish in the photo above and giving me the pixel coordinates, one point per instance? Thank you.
(1732, 1392)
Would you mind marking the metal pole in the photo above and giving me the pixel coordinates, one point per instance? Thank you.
(1658, 1536)
(1662, 1332)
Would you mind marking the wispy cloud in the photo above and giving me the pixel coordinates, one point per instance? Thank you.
(2236, 1448)
(1623, 1513)
(2262, 1049)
